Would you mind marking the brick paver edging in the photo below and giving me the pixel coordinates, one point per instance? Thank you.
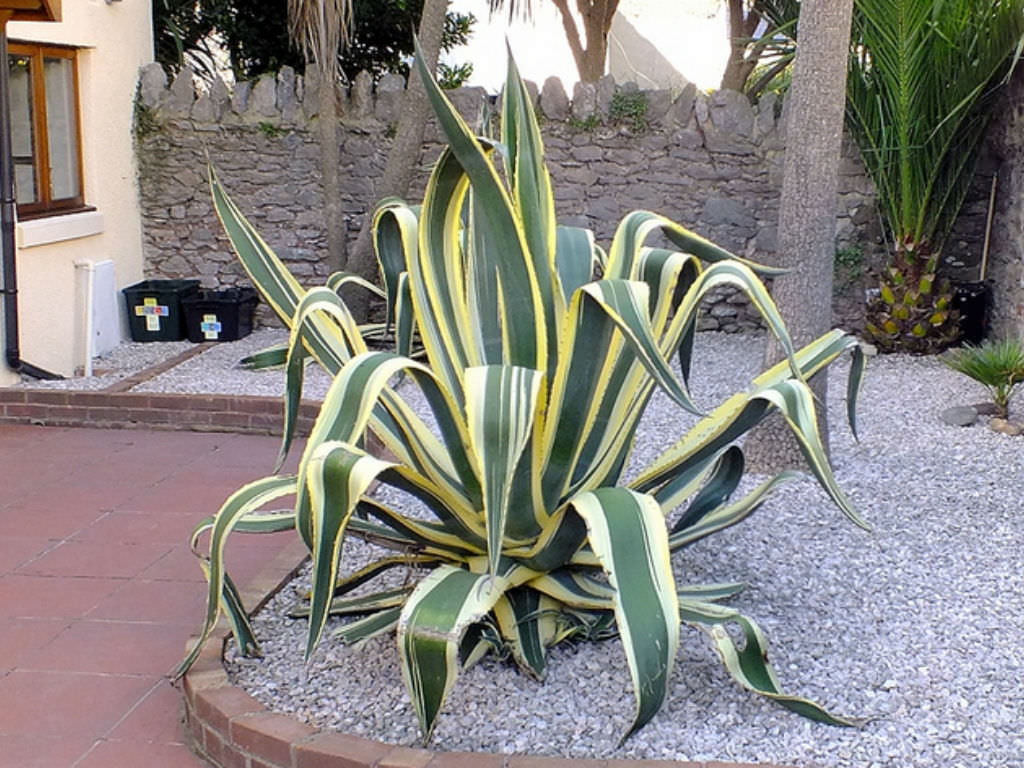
(229, 728)
(150, 410)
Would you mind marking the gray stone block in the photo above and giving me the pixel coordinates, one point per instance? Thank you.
(152, 84)
(554, 102)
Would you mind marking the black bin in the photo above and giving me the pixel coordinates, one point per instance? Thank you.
(974, 302)
(155, 309)
(219, 315)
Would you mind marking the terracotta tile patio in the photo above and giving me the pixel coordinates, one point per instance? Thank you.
(98, 590)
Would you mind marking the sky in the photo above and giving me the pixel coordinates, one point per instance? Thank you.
(690, 33)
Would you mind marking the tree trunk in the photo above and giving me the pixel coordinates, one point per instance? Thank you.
(597, 18)
(807, 215)
(403, 158)
(334, 218)
(741, 29)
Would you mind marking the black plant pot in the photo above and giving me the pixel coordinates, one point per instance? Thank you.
(973, 300)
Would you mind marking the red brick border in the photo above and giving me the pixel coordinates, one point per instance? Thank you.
(230, 729)
(150, 410)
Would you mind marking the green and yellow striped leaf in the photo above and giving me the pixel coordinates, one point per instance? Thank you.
(626, 531)
(431, 627)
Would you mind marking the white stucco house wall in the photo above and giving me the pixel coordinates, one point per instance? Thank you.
(87, 65)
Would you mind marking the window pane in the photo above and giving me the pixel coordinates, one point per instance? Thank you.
(61, 128)
(21, 127)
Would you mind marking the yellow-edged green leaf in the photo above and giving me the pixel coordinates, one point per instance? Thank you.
(627, 533)
(335, 476)
(501, 403)
(431, 627)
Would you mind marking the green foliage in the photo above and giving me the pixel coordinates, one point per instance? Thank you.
(144, 122)
(534, 379)
(586, 124)
(451, 76)
(922, 80)
(270, 130)
(848, 266)
(996, 365)
(913, 311)
(630, 108)
(254, 33)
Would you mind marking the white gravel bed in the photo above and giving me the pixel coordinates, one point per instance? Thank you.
(917, 624)
(126, 359)
(217, 372)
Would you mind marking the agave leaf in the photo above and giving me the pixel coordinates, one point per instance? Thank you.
(501, 403)
(349, 404)
(424, 537)
(795, 402)
(626, 531)
(336, 476)
(575, 589)
(528, 622)
(395, 238)
(636, 227)
(431, 627)
(522, 274)
(576, 258)
(369, 603)
(750, 666)
(727, 515)
(363, 629)
(271, 357)
(245, 500)
(725, 476)
(532, 192)
(268, 273)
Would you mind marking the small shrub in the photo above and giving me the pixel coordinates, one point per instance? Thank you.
(630, 108)
(996, 365)
(270, 130)
(585, 124)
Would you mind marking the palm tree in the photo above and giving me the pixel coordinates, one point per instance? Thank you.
(922, 78)
(596, 15)
(320, 28)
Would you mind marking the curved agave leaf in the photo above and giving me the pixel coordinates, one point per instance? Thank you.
(336, 476)
(637, 226)
(524, 277)
(626, 531)
(395, 230)
(725, 476)
(574, 588)
(528, 621)
(268, 273)
(219, 597)
(376, 624)
(431, 628)
(351, 401)
(750, 666)
(795, 400)
(727, 515)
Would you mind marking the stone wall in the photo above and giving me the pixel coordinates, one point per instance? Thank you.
(711, 162)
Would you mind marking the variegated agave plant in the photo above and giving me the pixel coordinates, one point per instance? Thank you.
(536, 375)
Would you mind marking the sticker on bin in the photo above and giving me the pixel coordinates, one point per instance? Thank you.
(210, 327)
(152, 312)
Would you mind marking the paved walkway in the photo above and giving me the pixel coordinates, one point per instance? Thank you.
(99, 592)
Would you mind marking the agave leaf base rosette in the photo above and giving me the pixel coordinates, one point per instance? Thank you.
(535, 375)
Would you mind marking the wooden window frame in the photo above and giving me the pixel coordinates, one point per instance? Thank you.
(44, 205)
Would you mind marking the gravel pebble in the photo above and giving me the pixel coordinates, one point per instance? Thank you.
(916, 625)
